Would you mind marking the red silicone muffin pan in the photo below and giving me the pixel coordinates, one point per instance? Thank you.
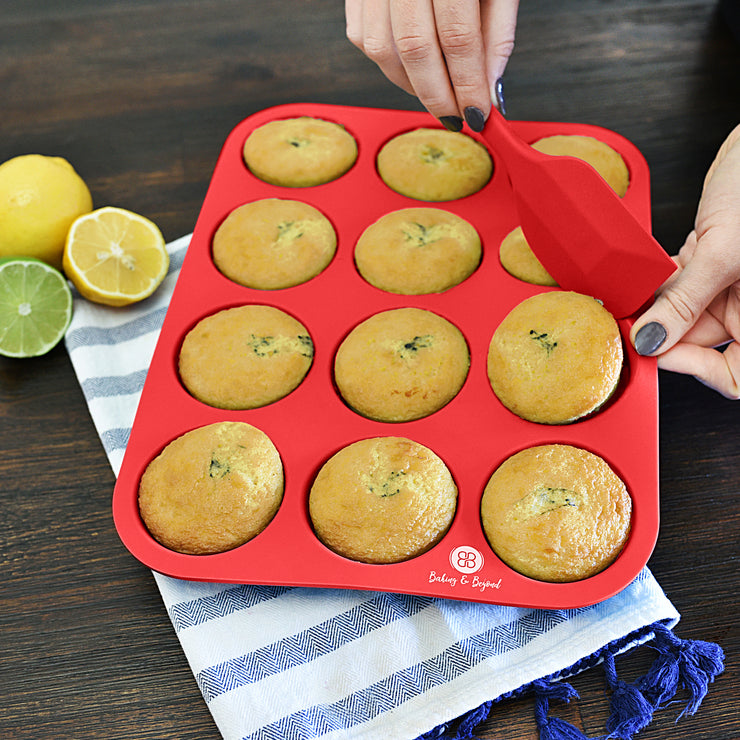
(473, 434)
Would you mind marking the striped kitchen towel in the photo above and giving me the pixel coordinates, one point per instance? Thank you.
(292, 663)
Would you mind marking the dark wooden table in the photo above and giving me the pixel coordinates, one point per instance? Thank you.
(139, 96)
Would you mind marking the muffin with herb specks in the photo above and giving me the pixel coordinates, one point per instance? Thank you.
(414, 251)
(245, 357)
(434, 164)
(516, 255)
(518, 259)
(401, 364)
(382, 500)
(555, 358)
(608, 162)
(212, 489)
(299, 152)
(273, 243)
(556, 513)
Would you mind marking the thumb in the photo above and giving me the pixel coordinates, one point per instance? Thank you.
(680, 303)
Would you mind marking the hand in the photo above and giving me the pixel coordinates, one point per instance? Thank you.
(698, 309)
(451, 54)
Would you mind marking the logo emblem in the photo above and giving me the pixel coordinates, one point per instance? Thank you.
(466, 559)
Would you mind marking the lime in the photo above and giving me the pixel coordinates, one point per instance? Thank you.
(35, 307)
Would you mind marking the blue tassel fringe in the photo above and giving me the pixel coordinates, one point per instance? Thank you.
(680, 665)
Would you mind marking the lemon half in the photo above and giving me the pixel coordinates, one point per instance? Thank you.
(115, 257)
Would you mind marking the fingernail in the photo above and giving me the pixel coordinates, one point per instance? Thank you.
(451, 123)
(498, 91)
(475, 118)
(649, 338)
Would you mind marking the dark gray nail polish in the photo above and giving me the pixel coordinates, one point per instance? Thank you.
(475, 118)
(498, 90)
(451, 123)
(649, 338)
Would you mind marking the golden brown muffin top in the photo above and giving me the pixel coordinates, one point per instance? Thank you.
(556, 357)
(382, 500)
(556, 513)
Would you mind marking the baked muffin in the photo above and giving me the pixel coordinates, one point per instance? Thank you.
(555, 358)
(606, 161)
(414, 251)
(382, 500)
(401, 364)
(212, 489)
(273, 243)
(556, 513)
(518, 259)
(245, 357)
(299, 152)
(434, 164)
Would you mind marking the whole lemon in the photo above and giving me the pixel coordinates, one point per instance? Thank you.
(40, 197)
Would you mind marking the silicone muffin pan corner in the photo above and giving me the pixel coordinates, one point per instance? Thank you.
(473, 434)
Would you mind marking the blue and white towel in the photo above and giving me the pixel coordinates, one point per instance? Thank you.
(290, 663)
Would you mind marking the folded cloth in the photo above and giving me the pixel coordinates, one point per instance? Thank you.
(278, 662)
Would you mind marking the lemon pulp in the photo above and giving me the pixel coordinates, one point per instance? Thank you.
(115, 257)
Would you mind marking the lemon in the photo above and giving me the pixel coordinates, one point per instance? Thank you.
(114, 256)
(40, 197)
(35, 307)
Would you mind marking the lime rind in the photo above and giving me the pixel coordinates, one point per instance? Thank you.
(35, 307)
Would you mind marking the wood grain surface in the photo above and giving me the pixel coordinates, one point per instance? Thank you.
(139, 95)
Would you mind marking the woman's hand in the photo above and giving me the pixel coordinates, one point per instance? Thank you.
(451, 54)
(698, 309)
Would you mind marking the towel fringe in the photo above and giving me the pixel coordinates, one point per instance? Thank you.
(681, 664)
(690, 665)
(630, 709)
(467, 726)
(554, 728)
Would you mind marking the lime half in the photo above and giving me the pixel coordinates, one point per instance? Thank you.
(35, 307)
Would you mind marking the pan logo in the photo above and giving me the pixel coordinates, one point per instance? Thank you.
(466, 559)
